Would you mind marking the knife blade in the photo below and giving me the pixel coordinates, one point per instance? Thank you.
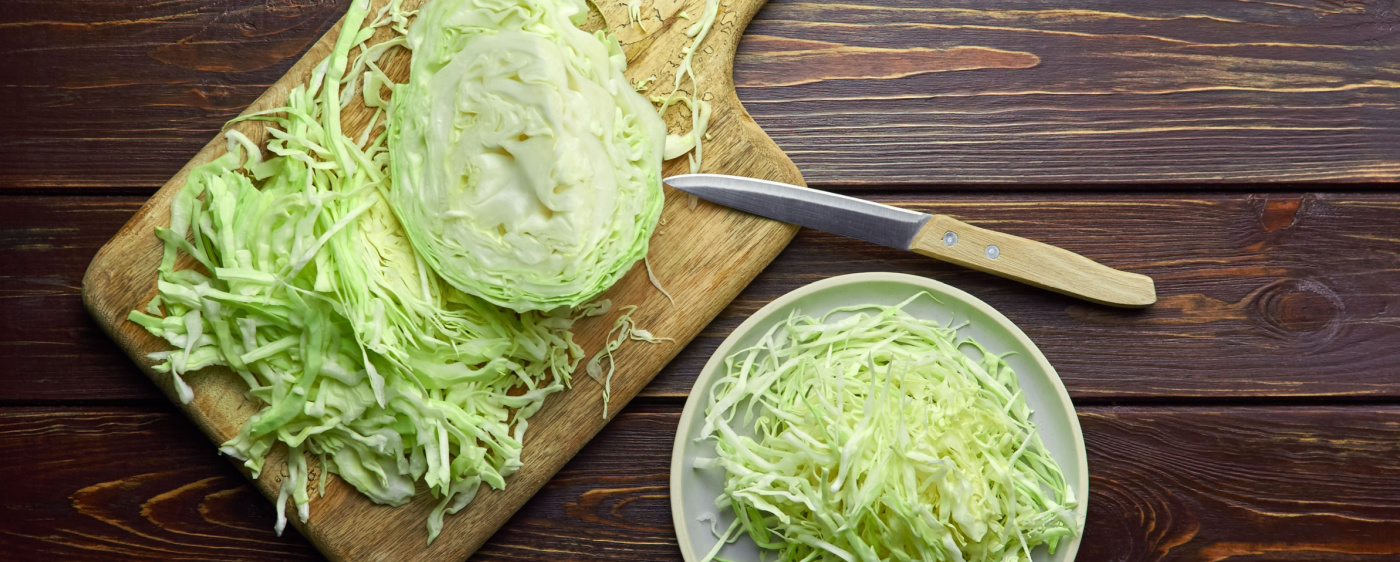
(828, 212)
(934, 235)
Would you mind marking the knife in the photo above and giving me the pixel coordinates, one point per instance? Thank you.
(937, 236)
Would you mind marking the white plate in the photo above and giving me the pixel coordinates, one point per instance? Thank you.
(693, 492)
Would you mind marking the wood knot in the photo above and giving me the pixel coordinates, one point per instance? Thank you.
(620, 507)
(1278, 214)
(1298, 307)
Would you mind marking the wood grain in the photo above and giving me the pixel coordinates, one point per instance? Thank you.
(1174, 483)
(1115, 121)
(1262, 295)
(111, 94)
(1258, 295)
(49, 343)
(160, 491)
(117, 95)
(721, 252)
(1242, 483)
(1144, 92)
(1031, 262)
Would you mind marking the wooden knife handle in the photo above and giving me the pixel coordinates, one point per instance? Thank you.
(1031, 262)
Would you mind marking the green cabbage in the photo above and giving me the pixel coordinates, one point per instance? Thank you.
(676, 144)
(294, 273)
(868, 434)
(526, 168)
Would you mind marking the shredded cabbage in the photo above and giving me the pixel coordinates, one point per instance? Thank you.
(624, 328)
(677, 145)
(364, 347)
(295, 274)
(526, 167)
(868, 434)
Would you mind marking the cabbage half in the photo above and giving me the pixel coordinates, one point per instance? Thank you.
(526, 168)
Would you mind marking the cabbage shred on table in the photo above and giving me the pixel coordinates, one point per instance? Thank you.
(870, 434)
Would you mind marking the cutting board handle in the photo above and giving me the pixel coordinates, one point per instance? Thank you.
(1034, 263)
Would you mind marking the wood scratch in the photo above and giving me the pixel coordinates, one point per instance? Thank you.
(1067, 33)
(789, 62)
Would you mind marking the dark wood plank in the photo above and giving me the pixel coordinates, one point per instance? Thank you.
(1242, 484)
(118, 94)
(50, 347)
(1078, 91)
(1260, 295)
(132, 484)
(1178, 483)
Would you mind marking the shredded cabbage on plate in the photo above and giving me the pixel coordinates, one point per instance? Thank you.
(870, 434)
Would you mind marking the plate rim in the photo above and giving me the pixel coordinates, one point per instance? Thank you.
(706, 376)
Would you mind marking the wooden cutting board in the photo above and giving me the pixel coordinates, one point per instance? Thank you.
(702, 254)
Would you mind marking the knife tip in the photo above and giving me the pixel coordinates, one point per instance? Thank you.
(680, 181)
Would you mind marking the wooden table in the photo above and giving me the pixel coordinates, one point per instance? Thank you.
(1244, 154)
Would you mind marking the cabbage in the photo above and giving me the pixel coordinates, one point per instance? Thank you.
(294, 273)
(869, 434)
(677, 145)
(526, 168)
(624, 329)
